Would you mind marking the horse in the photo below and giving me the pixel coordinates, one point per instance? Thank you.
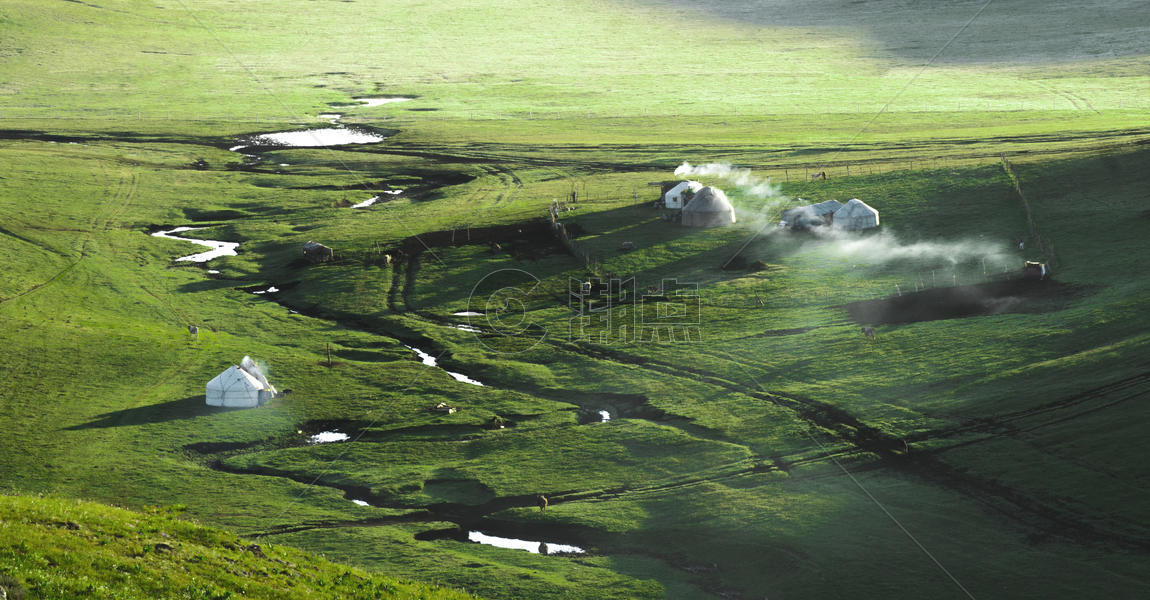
(868, 332)
(541, 500)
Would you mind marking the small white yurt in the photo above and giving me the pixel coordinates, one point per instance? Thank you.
(709, 208)
(855, 215)
(244, 386)
(679, 195)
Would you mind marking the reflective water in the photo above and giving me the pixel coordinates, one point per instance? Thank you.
(604, 416)
(430, 361)
(217, 248)
(327, 437)
(366, 203)
(315, 138)
(535, 547)
(379, 101)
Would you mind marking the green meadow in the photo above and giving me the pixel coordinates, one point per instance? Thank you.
(718, 427)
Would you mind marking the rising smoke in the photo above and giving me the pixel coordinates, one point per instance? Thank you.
(759, 202)
(885, 247)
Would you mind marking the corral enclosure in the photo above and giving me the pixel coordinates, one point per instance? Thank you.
(720, 429)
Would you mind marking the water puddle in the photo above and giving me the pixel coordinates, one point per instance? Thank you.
(379, 101)
(467, 328)
(327, 437)
(360, 502)
(217, 248)
(467, 313)
(464, 379)
(366, 203)
(604, 416)
(313, 138)
(430, 361)
(333, 118)
(531, 546)
(271, 290)
(213, 272)
(374, 199)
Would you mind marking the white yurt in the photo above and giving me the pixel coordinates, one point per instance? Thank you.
(679, 195)
(811, 215)
(709, 208)
(855, 215)
(244, 386)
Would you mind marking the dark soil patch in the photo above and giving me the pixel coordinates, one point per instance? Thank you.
(782, 332)
(996, 297)
(218, 447)
(196, 215)
(530, 240)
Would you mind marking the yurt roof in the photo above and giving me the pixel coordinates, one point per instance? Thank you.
(250, 366)
(683, 185)
(855, 208)
(709, 199)
(826, 206)
(233, 376)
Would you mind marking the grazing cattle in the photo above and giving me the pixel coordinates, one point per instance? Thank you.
(541, 500)
(868, 332)
(194, 331)
(820, 175)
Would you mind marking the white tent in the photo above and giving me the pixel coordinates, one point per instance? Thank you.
(709, 208)
(240, 387)
(855, 215)
(811, 215)
(679, 195)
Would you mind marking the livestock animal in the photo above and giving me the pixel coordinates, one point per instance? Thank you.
(194, 331)
(868, 332)
(820, 175)
(541, 500)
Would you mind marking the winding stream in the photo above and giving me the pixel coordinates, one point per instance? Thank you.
(534, 547)
(218, 248)
(430, 361)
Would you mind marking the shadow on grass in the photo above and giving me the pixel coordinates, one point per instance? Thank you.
(184, 408)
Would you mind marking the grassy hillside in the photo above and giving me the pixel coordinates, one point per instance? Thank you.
(766, 448)
(55, 548)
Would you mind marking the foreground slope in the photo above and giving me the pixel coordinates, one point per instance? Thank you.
(56, 548)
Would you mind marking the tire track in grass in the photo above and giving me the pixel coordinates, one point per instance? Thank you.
(889, 450)
(1003, 425)
(1011, 503)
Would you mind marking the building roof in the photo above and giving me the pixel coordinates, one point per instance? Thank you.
(826, 207)
(679, 188)
(234, 378)
(709, 200)
(855, 208)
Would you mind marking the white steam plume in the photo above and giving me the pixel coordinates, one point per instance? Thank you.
(884, 247)
(879, 248)
(748, 184)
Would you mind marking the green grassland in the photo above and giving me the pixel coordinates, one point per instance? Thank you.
(767, 450)
(68, 549)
